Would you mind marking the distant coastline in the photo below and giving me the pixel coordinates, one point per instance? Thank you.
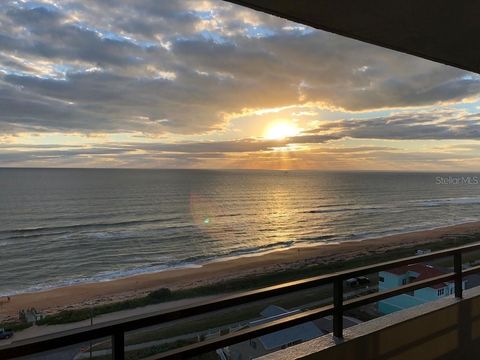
(88, 294)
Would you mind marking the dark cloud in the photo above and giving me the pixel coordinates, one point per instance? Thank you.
(48, 35)
(433, 125)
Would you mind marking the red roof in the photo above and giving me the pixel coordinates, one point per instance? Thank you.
(424, 272)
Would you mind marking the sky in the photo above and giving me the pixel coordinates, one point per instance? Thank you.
(212, 85)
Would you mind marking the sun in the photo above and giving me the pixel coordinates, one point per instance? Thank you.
(281, 130)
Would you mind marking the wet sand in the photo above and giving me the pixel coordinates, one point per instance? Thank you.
(82, 295)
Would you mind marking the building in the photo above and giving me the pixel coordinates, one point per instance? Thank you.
(282, 339)
(407, 274)
(265, 344)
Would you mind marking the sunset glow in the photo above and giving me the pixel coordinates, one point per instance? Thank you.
(179, 84)
(281, 130)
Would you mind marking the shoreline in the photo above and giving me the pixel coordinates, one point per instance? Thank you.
(193, 265)
(96, 293)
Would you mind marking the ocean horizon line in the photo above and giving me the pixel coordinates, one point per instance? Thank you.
(327, 171)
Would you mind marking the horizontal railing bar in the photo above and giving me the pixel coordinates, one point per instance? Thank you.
(244, 334)
(70, 337)
(405, 261)
(470, 271)
(371, 298)
(49, 342)
(53, 341)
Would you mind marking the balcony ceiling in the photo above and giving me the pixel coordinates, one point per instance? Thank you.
(443, 31)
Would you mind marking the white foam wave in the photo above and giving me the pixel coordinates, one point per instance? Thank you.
(101, 277)
(447, 201)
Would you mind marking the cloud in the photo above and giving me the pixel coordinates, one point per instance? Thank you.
(185, 67)
(431, 125)
(150, 156)
(330, 146)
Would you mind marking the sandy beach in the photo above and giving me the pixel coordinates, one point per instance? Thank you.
(96, 293)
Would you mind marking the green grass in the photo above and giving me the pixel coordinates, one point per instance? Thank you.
(248, 283)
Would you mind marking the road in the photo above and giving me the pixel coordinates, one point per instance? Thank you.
(66, 353)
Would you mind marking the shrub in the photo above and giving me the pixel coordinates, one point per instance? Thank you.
(161, 294)
(15, 325)
(65, 317)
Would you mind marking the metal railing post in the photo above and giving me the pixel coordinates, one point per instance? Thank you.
(338, 308)
(118, 346)
(457, 268)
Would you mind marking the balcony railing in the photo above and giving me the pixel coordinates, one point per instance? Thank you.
(117, 329)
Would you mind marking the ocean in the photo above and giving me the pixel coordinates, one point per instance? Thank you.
(66, 226)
